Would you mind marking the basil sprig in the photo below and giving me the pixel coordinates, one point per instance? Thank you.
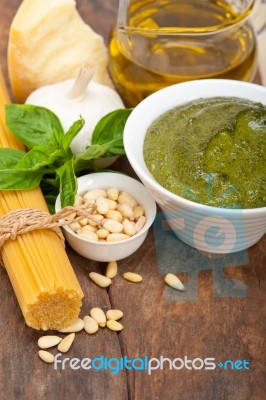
(49, 161)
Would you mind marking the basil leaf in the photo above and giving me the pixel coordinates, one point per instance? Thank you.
(72, 133)
(68, 183)
(38, 157)
(109, 131)
(50, 201)
(10, 157)
(34, 125)
(82, 161)
(93, 151)
(11, 179)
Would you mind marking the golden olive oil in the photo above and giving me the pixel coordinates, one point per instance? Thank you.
(170, 41)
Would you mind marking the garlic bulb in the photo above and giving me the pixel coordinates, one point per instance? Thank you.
(72, 98)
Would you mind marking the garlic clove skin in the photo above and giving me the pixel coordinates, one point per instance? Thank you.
(97, 101)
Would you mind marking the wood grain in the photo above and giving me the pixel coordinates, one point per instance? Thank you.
(156, 323)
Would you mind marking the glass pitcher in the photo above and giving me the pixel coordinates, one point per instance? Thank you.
(159, 43)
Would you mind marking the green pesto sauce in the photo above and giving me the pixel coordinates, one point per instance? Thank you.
(211, 151)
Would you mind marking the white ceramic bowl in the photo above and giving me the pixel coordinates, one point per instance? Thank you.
(210, 229)
(106, 251)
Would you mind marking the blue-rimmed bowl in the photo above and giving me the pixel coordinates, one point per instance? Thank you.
(206, 228)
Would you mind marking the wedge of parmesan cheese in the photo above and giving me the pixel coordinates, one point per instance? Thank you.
(48, 43)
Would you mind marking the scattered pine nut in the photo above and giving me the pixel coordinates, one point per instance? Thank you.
(45, 342)
(66, 343)
(76, 326)
(114, 325)
(174, 282)
(100, 280)
(99, 316)
(90, 325)
(114, 315)
(111, 270)
(132, 277)
(46, 356)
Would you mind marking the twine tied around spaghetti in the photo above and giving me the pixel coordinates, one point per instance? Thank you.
(24, 220)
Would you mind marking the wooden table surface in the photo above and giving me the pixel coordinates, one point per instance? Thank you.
(210, 320)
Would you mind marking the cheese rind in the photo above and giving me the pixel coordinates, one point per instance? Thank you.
(48, 43)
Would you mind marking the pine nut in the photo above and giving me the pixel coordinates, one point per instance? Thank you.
(112, 204)
(115, 215)
(127, 198)
(113, 193)
(90, 235)
(90, 325)
(102, 205)
(83, 221)
(76, 326)
(97, 219)
(116, 237)
(114, 325)
(75, 226)
(112, 226)
(114, 315)
(173, 281)
(132, 277)
(46, 356)
(99, 316)
(93, 194)
(89, 228)
(125, 210)
(138, 211)
(45, 342)
(102, 233)
(70, 217)
(140, 223)
(66, 343)
(129, 227)
(78, 201)
(100, 280)
(111, 270)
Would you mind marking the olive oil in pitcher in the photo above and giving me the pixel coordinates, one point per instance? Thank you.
(160, 43)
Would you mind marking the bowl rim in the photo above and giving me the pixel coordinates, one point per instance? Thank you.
(167, 93)
(133, 181)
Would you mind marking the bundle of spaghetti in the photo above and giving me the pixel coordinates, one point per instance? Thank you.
(40, 272)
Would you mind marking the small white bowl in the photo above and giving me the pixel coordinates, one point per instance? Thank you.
(107, 251)
(209, 229)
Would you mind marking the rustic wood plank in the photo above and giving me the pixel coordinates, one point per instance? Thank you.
(224, 328)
